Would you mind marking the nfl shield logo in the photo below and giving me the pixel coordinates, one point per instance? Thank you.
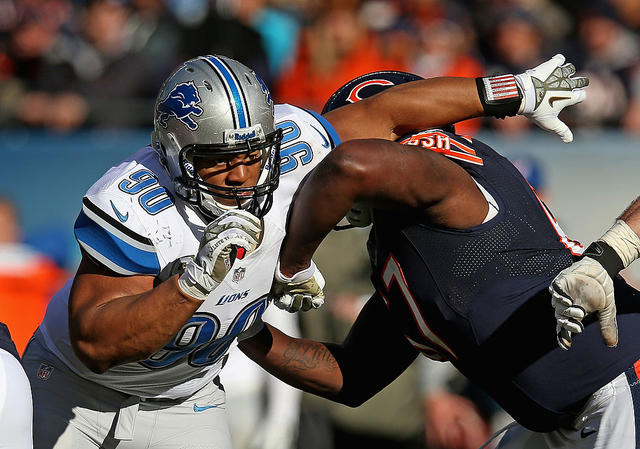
(45, 370)
(238, 274)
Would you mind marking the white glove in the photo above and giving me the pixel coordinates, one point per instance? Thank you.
(359, 215)
(549, 88)
(583, 288)
(302, 291)
(586, 286)
(216, 254)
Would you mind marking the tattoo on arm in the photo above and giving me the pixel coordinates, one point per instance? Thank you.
(301, 356)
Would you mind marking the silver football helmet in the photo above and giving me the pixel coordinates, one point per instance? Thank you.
(212, 106)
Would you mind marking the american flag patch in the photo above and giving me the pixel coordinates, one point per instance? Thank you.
(500, 87)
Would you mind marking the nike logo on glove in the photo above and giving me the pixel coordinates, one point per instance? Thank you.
(120, 216)
(552, 99)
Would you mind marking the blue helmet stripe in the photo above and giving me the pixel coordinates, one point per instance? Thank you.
(112, 251)
(234, 87)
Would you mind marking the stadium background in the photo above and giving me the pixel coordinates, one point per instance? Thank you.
(78, 80)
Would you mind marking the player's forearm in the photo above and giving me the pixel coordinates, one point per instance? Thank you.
(631, 216)
(130, 327)
(305, 364)
(409, 107)
(432, 102)
(324, 199)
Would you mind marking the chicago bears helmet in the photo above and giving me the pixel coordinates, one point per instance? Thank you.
(369, 84)
(212, 106)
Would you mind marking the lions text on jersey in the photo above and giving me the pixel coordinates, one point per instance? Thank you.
(131, 223)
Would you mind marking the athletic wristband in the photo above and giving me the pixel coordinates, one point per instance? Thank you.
(500, 95)
(606, 256)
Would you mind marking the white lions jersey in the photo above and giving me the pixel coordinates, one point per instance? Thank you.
(131, 223)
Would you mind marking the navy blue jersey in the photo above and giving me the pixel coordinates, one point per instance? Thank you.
(6, 342)
(478, 297)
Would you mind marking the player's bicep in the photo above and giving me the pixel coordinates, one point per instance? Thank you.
(374, 353)
(389, 176)
(356, 121)
(94, 286)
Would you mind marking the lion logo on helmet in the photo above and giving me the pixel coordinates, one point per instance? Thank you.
(181, 102)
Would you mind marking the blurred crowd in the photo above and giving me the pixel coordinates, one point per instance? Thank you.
(72, 64)
(66, 64)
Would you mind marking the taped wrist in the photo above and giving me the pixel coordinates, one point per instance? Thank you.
(500, 95)
(605, 256)
(297, 278)
(624, 241)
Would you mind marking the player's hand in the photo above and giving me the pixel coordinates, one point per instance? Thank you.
(219, 246)
(548, 89)
(583, 288)
(302, 291)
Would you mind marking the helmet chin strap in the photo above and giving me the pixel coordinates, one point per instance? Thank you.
(214, 207)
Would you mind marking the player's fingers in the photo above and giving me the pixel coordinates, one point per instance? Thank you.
(563, 337)
(306, 303)
(283, 302)
(568, 69)
(295, 304)
(574, 312)
(548, 66)
(557, 126)
(609, 326)
(609, 334)
(577, 96)
(559, 301)
(581, 81)
(572, 325)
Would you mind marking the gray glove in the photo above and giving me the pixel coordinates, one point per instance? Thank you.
(583, 288)
(302, 291)
(549, 88)
(587, 286)
(216, 254)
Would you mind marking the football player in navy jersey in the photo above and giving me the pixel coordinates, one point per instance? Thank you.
(15, 397)
(463, 253)
(180, 243)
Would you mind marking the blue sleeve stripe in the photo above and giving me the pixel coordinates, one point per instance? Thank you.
(112, 251)
(328, 127)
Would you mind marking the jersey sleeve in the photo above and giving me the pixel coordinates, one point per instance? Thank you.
(110, 241)
(119, 213)
(307, 139)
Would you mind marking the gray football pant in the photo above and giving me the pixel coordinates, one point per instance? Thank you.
(608, 421)
(73, 413)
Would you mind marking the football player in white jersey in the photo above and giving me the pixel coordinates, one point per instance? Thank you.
(127, 358)
(15, 397)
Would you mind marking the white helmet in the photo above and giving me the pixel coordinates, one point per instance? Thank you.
(211, 106)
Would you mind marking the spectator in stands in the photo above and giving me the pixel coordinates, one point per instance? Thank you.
(612, 59)
(27, 279)
(335, 48)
